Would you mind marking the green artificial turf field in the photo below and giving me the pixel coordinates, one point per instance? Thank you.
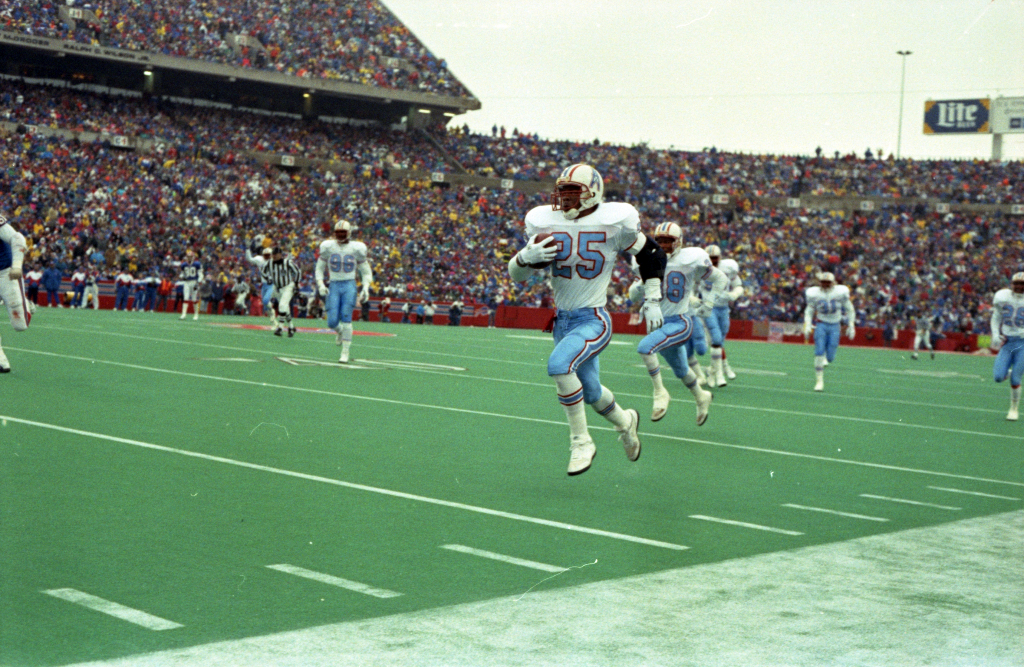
(167, 484)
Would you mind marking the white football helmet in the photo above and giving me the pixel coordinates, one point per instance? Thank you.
(715, 253)
(1018, 282)
(669, 236)
(342, 230)
(579, 188)
(826, 279)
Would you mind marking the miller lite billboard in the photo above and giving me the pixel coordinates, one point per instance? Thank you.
(957, 116)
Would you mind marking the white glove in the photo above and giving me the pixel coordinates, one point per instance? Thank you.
(535, 253)
(651, 312)
(636, 291)
(14, 274)
(704, 308)
(322, 289)
(364, 294)
(851, 331)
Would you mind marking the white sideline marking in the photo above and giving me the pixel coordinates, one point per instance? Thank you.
(836, 512)
(744, 524)
(973, 493)
(353, 485)
(505, 559)
(114, 609)
(334, 581)
(944, 375)
(445, 408)
(910, 502)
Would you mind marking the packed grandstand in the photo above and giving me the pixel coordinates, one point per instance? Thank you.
(125, 180)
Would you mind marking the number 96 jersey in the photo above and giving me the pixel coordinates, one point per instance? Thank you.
(587, 250)
(340, 259)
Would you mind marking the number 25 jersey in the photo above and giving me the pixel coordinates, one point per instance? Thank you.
(587, 250)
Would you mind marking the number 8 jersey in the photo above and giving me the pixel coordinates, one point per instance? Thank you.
(340, 259)
(587, 250)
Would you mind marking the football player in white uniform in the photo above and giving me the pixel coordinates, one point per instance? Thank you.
(191, 276)
(586, 235)
(259, 260)
(922, 330)
(340, 258)
(1008, 334)
(685, 269)
(718, 321)
(12, 287)
(828, 305)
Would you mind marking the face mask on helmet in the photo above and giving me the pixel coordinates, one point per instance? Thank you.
(342, 229)
(578, 189)
(668, 235)
(1018, 282)
(715, 253)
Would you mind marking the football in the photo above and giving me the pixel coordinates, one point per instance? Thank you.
(540, 240)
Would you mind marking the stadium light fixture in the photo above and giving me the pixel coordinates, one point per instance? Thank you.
(424, 110)
(903, 77)
(147, 73)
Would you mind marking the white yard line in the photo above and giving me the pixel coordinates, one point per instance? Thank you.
(797, 413)
(744, 524)
(352, 485)
(905, 501)
(836, 512)
(324, 392)
(543, 567)
(334, 581)
(114, 609)
(973, 493)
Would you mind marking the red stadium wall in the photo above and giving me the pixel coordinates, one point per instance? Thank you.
(517, 317)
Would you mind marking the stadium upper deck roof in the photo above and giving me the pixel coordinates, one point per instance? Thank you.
(45, 57)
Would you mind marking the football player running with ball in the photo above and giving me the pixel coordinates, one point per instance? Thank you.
(12, 288)
(340, 258)
(586, 235)
(685, 269)
(1008, 333)
(829, 305)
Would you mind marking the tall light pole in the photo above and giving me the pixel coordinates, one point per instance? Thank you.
(903, 77)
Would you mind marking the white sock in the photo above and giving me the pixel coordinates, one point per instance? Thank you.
(345, 329)
(610, 410)
(570, 395)
(716, 360)
(184, 308)
(695, 367)
(1014, 397)
(819, 363)
(654, 369)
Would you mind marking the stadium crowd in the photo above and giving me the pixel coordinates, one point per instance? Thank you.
(89, 203)
(357, 41)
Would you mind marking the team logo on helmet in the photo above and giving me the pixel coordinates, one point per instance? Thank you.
(578, 188)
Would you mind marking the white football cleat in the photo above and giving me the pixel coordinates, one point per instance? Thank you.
(5, 365)
(182, 317)
(344, 357)
(1011, 416)
(721, 382)
(661, 400)
(196, 318)
(729, 375)
(914, 356)
(819, 385)
(703, 403)
(581, 453)
(630, 439)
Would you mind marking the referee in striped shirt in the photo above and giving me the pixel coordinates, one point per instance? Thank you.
(283, 274)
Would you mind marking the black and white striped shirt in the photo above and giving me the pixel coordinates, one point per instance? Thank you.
(280, 273)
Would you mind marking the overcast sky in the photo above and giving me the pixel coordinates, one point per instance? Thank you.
(777, 77)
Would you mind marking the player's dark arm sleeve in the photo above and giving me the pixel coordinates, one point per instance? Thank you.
(651, 260)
